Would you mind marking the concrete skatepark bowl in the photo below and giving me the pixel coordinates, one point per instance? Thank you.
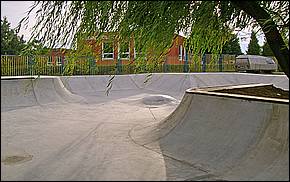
(67, 128)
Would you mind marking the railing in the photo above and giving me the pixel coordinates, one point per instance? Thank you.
(14, 65)
(47, 65)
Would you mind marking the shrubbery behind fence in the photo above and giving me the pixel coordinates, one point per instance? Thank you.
(12, 65)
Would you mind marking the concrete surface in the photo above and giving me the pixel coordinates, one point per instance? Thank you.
(67, 128)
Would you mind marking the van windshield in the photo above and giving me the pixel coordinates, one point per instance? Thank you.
(270, 61)
(242, 60)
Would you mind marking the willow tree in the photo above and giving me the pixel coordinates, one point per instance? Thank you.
(153, 24)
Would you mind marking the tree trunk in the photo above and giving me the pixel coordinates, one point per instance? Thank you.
(270, 30)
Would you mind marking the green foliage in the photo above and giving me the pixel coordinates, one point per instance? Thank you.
(11, 43)
(152, 24)
(253, 47)
(36, 52)
(33, 48)
(279, 11)
(232, 47)
(267, 50)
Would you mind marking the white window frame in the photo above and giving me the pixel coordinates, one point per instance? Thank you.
(134, 53)
(120, 53)
(58, 61)
(49, 61)
(184, 54)
(111, 53)
(180, 52)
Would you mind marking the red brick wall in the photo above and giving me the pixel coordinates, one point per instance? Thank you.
(57, 53)
(171, 56)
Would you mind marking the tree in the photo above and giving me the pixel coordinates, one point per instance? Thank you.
(11, 44)
(34, 47)
(267, 50)
(253, 47)
(154, 23)
(232, 47)
(273, 17)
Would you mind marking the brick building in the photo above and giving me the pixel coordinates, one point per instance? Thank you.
(57, 56)
(107, 52)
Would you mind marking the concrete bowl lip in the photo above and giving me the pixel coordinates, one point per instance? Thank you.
(201, 91)
(26, 77)
(211, 92)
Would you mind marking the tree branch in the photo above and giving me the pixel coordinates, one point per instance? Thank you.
(270, 30)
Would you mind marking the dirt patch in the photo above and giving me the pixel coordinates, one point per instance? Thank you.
(9, 160)
(260, 91)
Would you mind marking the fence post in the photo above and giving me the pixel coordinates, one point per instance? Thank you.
(92, 64)
(203, 62)
(185, 67)
(195, 64)
(30, 65)
(62, 65)
(165, 66)
(119, 64)
(220, 62)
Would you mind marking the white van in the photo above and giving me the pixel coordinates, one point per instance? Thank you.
(255, 63)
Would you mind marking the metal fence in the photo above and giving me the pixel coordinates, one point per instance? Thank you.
(12, 65)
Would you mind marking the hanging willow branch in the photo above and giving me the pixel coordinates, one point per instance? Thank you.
(152, 24)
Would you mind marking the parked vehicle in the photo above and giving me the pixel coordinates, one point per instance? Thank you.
(255, 63)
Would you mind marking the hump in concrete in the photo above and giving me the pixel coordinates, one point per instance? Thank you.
(227, 138)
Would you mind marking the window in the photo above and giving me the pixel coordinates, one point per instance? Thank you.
(269, 61)
(180, 53)
(108, 50)
(124, 50)
(58, 61)
(184, 52)
(242, 61)
(49, 61)
(54, 60)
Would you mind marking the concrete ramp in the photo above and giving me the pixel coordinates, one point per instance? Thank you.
(32, 91)
(174, 84)
(226, 138)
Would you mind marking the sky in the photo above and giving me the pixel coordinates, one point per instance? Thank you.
(16, 10)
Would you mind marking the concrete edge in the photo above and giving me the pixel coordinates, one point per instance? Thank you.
(211, 91)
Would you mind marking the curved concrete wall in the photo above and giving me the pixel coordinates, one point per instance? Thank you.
(92, 89)
(228, 138)
(173, 84)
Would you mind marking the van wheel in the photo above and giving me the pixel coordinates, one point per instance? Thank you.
(268, 71)
(252, 71)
